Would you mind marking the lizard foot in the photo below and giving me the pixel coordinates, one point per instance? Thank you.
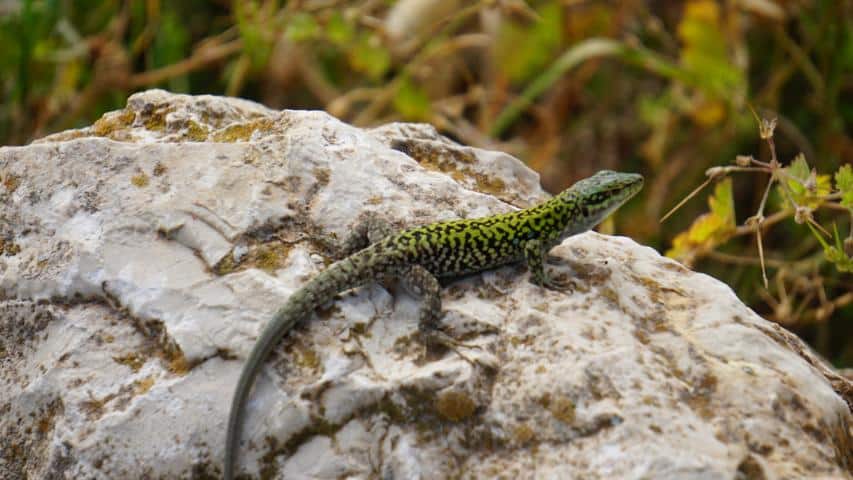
(555, 260)
(557, 284)
(436, 340)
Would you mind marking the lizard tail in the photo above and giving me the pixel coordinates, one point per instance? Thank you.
(350, 272)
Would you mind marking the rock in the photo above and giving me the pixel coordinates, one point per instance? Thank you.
(141, 256)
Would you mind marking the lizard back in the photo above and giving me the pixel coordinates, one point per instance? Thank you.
(459, 247)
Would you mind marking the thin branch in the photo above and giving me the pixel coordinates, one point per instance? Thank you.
(771, 220)
(200, 59)
(806, 66)
(688, 197)
(760, 213)
(739, 260)
(761, 255)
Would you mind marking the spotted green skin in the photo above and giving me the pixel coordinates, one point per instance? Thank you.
(421, 255)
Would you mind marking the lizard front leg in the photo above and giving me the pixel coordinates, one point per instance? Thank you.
(534, 255)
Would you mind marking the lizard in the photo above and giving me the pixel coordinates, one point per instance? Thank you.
(421, 255)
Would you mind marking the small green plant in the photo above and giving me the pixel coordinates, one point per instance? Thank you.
(800, 192)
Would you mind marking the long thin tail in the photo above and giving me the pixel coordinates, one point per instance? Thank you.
(348, 273)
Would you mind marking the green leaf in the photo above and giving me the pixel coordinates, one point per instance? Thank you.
(806, 186)
(171, 44)
(705, 53)
(574, 56)
(523, 50)
(844, 184)
(302, 27)
(834, 254)
(799, 168)
(339, 30)
(370, 56)
(722, 203)
(412, 102)
(256, 43)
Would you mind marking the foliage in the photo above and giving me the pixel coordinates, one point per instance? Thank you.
(708, 230)
(663, 88)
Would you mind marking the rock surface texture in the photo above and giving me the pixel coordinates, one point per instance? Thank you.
(141, 256)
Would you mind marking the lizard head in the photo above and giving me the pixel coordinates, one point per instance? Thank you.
(592, 199)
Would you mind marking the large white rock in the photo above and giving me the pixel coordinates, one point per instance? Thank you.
(140, 257)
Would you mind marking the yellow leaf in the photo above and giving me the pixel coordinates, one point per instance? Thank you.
(710, 229)
(708, 113)
(705, 52)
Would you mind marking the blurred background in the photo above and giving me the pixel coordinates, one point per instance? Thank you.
(665, 88)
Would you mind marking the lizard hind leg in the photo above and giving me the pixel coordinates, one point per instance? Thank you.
(369, 229)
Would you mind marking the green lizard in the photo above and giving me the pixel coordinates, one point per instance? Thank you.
(419, 256)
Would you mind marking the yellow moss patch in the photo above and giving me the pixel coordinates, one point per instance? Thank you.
(226, 265)
(308, 358)
(360, 329)
(487, 184)
(9, 248)
(454, 406)
(11, 183)
(93, 408)
(132, 360)
(195, 132)
(143, 385)
(523, 433)
(610, 295)
(241, 132)
(127, 117)
(156, 120)
(178, 364)
(561, 407)
(323, 175)
(453, 162)
(140, 180)
(268, 259)
(107, 125)
(44, 424)
(519, 341)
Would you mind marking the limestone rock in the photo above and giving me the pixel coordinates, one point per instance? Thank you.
(141, 256)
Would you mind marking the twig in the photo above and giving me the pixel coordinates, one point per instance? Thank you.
(688, 197)
(201, 58)
(739, 260)
(808, 68)
(761, 256)
(768, 221)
